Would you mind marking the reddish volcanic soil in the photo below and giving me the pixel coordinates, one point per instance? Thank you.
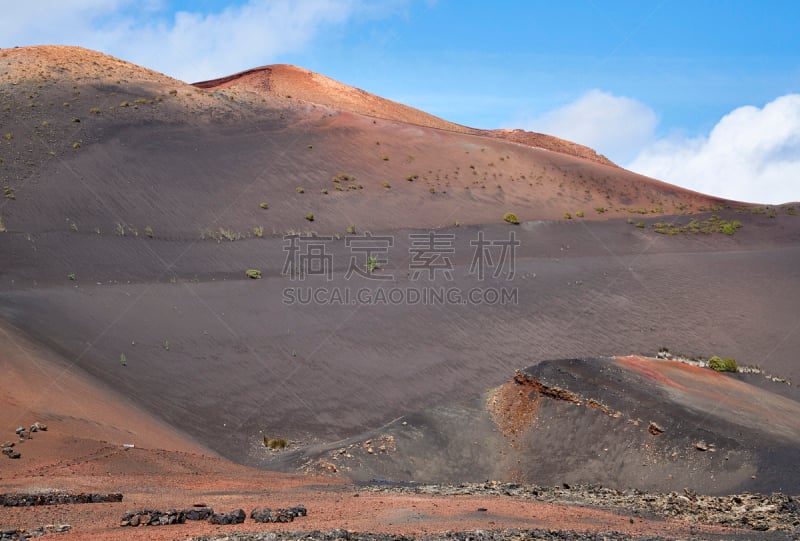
(82, 451)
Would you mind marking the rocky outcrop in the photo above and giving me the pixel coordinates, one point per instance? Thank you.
(265, 514)
(151, 517)
(55, 498)
(198, 513)
(18, 535)
(236, 516)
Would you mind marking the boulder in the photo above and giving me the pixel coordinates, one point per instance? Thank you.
(198, 513)
(236, 516)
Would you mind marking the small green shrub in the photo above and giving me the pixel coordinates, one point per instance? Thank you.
(148, 231)
(123, 360)
(511, 218)
(299, 190)
(567, 216)
(9, 136)
(309, 217)
(324, 191)
(263, 206)
(9, 192)
(2, 225)
(76, 145)
(719, 364)
(72, 276)
(384, 157)
(600, 210)
(412, 178)
(372, 263)
(258, 231)
(119, 230)
(275, 443)
(95, 110)
(351, 229)
(729, 228)
(253, 274)
(124, 104)
(640, 225)
(579, 214)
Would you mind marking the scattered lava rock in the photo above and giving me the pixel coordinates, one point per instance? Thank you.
(758, 512)
(475, 535)
(23, 433)
(8, 450)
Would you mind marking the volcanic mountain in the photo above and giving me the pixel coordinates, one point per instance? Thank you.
(139, 210)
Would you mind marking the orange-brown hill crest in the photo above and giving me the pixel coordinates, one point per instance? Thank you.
(287, 81)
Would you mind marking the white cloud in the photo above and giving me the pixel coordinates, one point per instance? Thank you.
(188, 45)
(616, 126)
(751, 155)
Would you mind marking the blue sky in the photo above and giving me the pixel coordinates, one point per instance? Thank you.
(702, 94)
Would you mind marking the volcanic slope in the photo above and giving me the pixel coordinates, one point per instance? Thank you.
(134, 207)
(657, 425)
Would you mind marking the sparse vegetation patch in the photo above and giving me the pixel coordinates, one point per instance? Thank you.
(511, 218)
(718, 364)
(712, 224)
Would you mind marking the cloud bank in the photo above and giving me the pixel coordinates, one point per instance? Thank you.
(752, 154)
